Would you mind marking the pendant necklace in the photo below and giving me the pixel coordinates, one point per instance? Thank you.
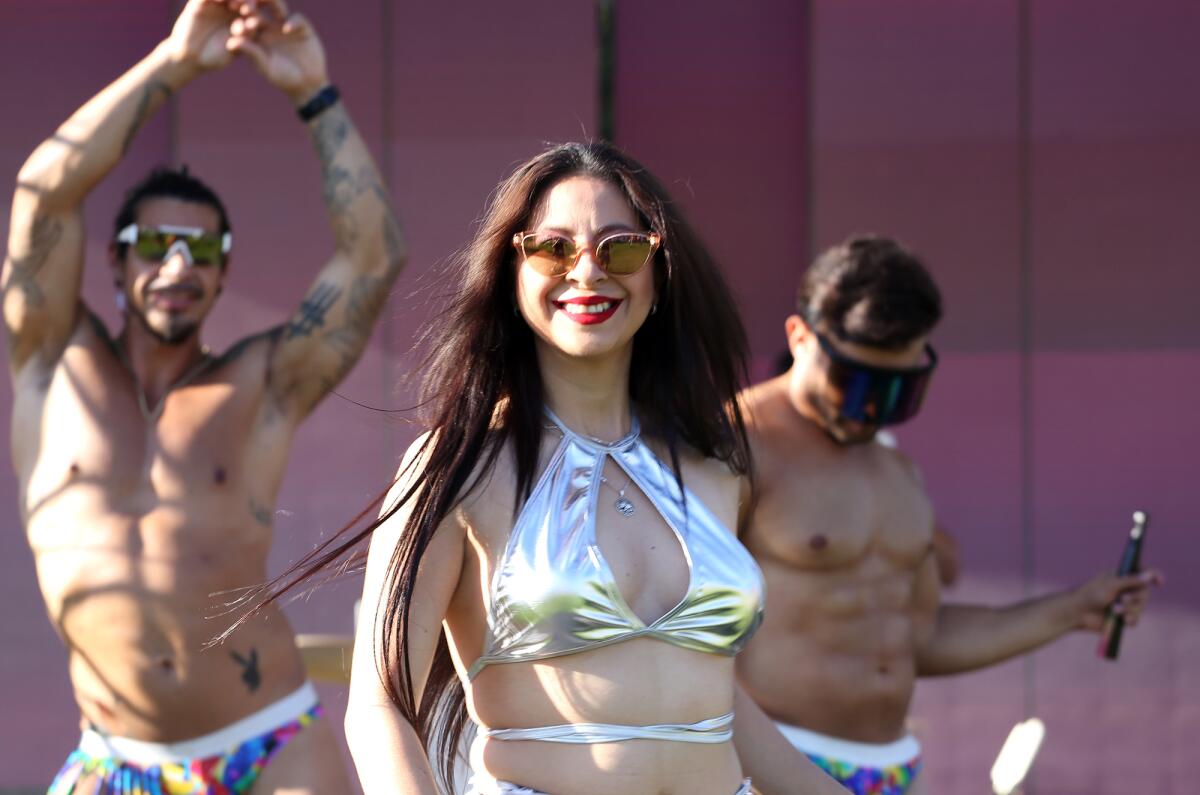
(152, 415)
(622, 504)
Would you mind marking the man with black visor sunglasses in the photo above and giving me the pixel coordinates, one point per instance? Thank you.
(844, 531)
(873, 395)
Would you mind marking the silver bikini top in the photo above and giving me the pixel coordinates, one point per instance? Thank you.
(553, 593)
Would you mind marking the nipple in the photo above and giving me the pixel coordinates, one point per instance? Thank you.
(818, 542)
(74, 470)
(165, 664)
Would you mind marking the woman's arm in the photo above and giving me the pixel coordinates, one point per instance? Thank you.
(774, 765)
(387, 752)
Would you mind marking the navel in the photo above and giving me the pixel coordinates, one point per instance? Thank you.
(219, 476)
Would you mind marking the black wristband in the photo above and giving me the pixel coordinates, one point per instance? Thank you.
(324, 99)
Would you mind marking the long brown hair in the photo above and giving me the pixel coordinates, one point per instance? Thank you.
(483, 391)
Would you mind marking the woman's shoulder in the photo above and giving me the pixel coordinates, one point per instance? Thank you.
(418, 472)
(489, 488)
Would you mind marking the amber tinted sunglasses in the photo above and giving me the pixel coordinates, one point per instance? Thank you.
(619, 254)
(158, 243)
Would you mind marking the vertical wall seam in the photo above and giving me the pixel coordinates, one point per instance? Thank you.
(1026, 296)
(606, 68)
(390, 369)
(808, 156)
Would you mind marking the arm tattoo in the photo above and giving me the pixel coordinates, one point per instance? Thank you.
(366, 298)
(358, 205)
(261, 513)
(342, 184)
(250, 674)
(340, 191)
(329, 133)
(313, 309)
(44, 235)
(365, 301)
(146, 106)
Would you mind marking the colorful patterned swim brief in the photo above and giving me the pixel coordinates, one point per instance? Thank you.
(862, 768)
(96, 768)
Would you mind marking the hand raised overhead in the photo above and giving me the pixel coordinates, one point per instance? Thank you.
(201, 33)
(285, 50)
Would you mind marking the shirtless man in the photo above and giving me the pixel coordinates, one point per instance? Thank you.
(843, 531)
(148, 467)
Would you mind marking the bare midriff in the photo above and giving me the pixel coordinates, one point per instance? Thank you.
(141, 530)
(634, 683)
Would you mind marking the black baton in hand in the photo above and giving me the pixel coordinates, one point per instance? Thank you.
(1114, 623)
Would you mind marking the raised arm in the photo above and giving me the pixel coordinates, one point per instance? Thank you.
(387, 752)
(44, 260)
(323, 340)
(967, 637)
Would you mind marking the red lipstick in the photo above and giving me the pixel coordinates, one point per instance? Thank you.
(588, 310)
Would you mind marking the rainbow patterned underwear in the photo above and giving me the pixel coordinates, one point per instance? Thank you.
(892, 780)
(99, 766)
(862, 768)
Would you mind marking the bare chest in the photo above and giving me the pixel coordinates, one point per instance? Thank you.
(830, 515)
(86, 443)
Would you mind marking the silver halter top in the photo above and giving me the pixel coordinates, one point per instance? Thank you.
(553, 593)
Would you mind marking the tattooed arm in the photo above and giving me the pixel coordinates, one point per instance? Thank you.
(325, 337)
(322, 341)
(44, 259)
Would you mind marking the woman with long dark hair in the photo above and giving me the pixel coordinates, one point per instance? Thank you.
(559, 553)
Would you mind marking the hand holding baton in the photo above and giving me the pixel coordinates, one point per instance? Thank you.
(1131, 557)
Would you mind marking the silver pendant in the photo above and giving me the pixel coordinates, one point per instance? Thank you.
(624, 507)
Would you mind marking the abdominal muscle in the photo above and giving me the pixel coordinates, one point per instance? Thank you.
(634, 683)
(135, 603)
(835, 654)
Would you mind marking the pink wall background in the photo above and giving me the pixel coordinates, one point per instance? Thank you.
(1054, 210)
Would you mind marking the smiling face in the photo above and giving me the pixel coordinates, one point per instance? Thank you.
(586, 312)
(169, 297)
